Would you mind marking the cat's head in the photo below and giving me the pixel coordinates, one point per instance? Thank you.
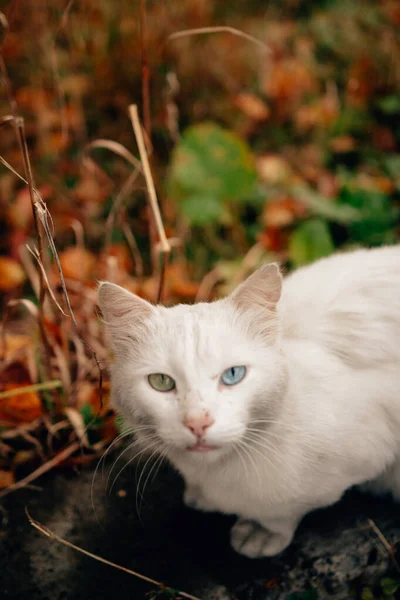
(194, 379)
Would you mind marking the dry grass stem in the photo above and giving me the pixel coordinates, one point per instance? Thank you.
(35, 253)
(46, 531)
(35, 387)
(164, 244)
(19, 124)
(47, 466)
(145, 70)
(134, 248)
(207, 285)
(115, 147)
(125, 190)
(219, 29)
(44, 217)
(9, 434)
(385, 542)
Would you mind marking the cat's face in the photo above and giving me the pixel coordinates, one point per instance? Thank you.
(194, 378)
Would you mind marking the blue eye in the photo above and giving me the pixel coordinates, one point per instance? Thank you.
(233, 375)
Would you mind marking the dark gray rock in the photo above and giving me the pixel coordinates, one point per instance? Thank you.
(335, 550)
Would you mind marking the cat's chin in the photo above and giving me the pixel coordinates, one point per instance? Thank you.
(200, 453)
(202, 447)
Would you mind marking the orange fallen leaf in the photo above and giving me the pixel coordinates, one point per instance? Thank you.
(179, 283)
(14, 342)
(253, 107)
(287, 81)
(282, 212)
(77, 263)
(392, 9)
(361, 81)
(89, 190)
(320, 113)
(6, 478)
(273, 239)
(343, 143)
(89, 393)
(11, 274)
(109, 430)
(22, 408)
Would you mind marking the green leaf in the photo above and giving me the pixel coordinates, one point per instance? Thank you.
(213, 165)
(390, 105)
(367, 594)
(89, 416)
(392, 165)
(202, 210)
(326, 207)
(310, 241)
(377, 219)
(389, 586)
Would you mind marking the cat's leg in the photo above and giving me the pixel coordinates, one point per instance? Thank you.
(194, 498)
(256, 541)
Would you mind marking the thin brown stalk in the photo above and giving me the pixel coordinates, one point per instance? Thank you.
(219, 29)
(35, 387)
(20, 430)
(19, 124)
(44, 216)
(145, 70)
(79, 232)
(64, 17)
(32, 440)
(46, 531)
(385, 542)
(163, 268)
(115, 147)
(36, 256)
(47, 466)
(122, 194)
(207, 284)
(134, 248)
(146, 106)
(151, 194)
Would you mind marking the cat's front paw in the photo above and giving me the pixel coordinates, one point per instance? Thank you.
(252, 540)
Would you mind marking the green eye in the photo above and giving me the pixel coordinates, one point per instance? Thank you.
(161, 382)
(233, 375)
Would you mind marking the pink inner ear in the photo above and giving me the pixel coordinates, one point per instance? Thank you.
(262, 288)
(117, 303)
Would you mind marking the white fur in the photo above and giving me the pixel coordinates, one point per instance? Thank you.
(319, 408)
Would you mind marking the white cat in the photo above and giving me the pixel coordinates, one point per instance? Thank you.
(275, 400)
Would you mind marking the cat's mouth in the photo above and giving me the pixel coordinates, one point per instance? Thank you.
(202, 447)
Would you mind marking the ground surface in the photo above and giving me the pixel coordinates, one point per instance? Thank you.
(334, 551)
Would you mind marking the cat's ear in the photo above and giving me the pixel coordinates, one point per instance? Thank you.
(123, 312)
(262, 289)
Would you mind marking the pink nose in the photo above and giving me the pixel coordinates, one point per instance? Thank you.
(198, 422)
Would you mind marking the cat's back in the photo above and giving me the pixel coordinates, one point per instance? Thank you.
(349, 303)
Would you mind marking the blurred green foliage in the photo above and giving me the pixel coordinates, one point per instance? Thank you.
(296, 149)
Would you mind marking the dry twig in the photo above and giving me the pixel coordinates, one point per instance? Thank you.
(46, 531)
(385, 542)
(152, 196)
(219, 29)
(47, 466)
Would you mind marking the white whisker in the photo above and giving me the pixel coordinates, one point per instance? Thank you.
(128, 463)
